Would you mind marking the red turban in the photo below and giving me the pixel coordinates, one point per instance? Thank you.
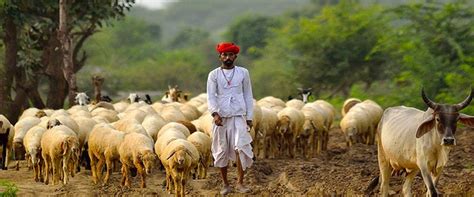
(227, 47)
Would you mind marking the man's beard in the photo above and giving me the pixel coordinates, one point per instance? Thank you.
(228, 62)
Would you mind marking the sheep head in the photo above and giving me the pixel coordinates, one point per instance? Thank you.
(148, 159)
(283, 125)
(41, 114)
(52, 123)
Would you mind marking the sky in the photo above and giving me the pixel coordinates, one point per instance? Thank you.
(154, 4)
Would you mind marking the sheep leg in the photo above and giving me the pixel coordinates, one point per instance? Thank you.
(100, 167)
(46, 169)
(141, 171)
(36, 171)
(41, 169)
(93, 161)
(108, 164)
(264, 147)
(125, 175)
(56, 171)
(65, 169)
(183, 182)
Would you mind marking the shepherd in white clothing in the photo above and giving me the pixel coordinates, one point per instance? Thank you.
(230, 102)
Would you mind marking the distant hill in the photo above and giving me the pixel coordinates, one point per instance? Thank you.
(211, 15)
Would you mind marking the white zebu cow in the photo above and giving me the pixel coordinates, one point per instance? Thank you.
(414, 141)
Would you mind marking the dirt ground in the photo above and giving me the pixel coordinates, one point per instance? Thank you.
(337, 172)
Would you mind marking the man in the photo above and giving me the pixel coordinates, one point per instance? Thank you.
(230, 102)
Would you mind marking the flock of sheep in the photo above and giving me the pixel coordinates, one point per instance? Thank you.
(177, 135)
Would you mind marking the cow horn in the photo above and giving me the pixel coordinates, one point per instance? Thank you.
(428, 102)
(466, 101)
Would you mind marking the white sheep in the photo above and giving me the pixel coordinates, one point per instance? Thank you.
(104, 143)
(356, 125)
(136, 150)
(121, 106)
(109, 115)
(175, 125)
(168, 136)
(179, 158)
(202, 142)
(289, 125)
(312, 135)
(59, 145)
(348, 104)
(130, 126)
(328, 112)
(266, 140)
(21, 127)
(30, 112)
(172, 114)
(295, 103)
(153, 124)
(32, 143)
(7, 133)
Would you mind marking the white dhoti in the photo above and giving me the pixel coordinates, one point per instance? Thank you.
(232, 136)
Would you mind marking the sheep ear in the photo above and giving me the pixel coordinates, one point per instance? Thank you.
(171, 155)
(191, 155)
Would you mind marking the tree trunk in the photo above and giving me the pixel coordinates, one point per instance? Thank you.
(8, 107)
(57, 84)
(65, 39)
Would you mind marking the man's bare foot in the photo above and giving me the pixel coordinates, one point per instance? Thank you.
(225, 190)
(242, 189)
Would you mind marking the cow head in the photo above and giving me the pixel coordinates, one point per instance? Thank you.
(304, 92)
(445, 118)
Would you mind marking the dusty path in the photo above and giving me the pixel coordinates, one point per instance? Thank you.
(338, 171)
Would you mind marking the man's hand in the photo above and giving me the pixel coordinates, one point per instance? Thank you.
(250, 124)
(217, 119)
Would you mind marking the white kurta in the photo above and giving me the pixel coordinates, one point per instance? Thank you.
(229, 94)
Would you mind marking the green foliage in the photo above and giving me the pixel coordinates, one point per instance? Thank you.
(8, 189)
(433, 46)
(250, 32)
(188, 37)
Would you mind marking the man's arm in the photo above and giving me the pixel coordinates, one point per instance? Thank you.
(211, 93)
(248, 96)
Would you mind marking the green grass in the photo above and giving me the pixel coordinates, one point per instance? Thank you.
(7, 188)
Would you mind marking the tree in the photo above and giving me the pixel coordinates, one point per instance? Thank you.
(433, 45)
(31, 43)
(338, 42)
(64, 38)
(251, 32)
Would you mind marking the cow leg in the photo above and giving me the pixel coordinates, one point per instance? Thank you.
(385, 171)
(435, 176)
(409, 182)
(430, 186)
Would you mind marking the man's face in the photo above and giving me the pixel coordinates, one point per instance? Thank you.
(227, 58)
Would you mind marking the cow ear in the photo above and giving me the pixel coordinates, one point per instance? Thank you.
(425, 126)
(466, 120)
